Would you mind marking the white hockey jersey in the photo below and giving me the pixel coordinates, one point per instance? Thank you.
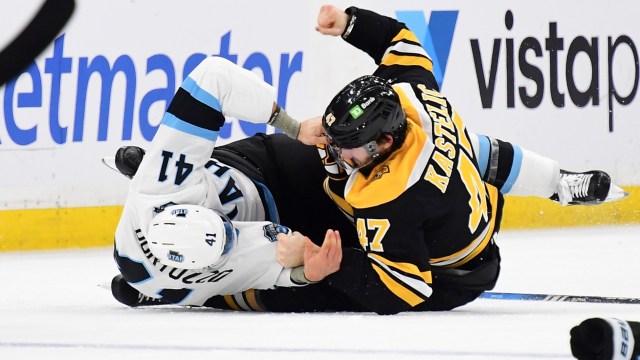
(177, 169)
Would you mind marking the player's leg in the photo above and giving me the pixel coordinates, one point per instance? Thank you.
(517, 171)
(454, 287)
(128, 295)
(311, 298)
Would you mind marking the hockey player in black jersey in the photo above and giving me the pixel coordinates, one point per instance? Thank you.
(424, 194)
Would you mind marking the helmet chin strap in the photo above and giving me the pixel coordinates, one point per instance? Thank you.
(377, 157)
(372, 149)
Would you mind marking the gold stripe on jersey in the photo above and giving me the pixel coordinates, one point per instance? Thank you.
(338, 200)
(250, 297)
(241, 301)
(406, 268)
(409, 110)
(404, 47)
(414, 281)
(417, 116)
(405, 34)
(400, 291)
(407, 60)
(393, 177)
(477, 245)
(463, 138)
(231, 302)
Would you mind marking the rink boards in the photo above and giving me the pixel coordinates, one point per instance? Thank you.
(554, 84)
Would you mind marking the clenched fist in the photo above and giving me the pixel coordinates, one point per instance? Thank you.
(291, 249)
(331, 20)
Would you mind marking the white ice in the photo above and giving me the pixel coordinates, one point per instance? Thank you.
(51, 307)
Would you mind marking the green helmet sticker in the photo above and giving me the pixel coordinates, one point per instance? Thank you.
(356, 112)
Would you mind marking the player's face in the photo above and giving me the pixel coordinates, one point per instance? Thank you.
(357, 157)
(354, 158)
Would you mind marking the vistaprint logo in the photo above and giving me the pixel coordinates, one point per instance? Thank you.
(533, 66)
(436, 35)
(550, 60)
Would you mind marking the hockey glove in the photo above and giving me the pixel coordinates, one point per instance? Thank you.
(605, 339)
(128, 159)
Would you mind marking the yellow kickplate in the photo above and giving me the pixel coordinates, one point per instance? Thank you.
(39, 229)
(535, 213)
(83, 227)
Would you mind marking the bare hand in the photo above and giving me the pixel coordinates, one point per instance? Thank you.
(312, 132)
(331, 20)
(291, 249)
(319, 262)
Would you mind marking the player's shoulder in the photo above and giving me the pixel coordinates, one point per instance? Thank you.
(392, 178)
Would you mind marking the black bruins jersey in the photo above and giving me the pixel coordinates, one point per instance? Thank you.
(424, 208)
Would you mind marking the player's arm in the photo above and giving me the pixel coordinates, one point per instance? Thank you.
(291, 249)
(366, 30)
(390, 43)
(215, 89)
(237, 92)
(392, 273)
(310, 263)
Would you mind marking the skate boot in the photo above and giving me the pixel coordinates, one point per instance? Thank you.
(126, 294)
(126, 161)
(586, 188)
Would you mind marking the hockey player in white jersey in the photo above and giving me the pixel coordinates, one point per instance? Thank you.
(191, 253)
(169, 244)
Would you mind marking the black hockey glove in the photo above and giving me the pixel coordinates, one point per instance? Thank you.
(128, 159)
(605, 339)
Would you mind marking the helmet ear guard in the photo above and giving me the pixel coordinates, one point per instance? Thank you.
(362, 112)
(191, 237)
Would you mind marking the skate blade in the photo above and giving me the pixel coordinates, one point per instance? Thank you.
(105, 285)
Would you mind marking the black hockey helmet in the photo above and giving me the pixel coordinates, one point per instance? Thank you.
(362, 111)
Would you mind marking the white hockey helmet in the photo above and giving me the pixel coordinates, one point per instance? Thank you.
(191, 237)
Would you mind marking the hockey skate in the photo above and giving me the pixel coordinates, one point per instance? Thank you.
(126, 161)
(587, 188)
(126, 294)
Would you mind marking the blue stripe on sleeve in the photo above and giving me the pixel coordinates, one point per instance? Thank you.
(515, 170)
(272, 211)
(173, 122)
(483, 156)
(200, 94)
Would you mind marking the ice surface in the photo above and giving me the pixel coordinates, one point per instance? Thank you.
(51, 307)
